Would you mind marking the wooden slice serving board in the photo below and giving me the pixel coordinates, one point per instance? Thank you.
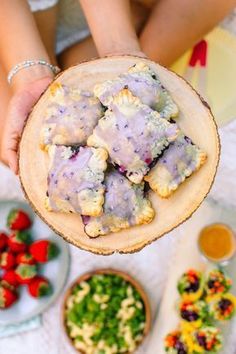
(195, 120)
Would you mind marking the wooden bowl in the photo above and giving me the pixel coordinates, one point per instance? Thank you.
(123, 275)
(196, 121)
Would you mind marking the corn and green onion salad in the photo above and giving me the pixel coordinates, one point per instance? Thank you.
(105, 315)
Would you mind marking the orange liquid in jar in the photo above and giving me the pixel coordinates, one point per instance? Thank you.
(217, 242)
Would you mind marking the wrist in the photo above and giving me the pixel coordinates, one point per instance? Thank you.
(135, 53)
(129, 47)
(29, 75)
(33, 89)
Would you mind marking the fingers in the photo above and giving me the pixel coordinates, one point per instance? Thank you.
(18, 111)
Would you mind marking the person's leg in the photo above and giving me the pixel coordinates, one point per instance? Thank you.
(78, 53)
(86, 49)
(176, 25)
(46, 22)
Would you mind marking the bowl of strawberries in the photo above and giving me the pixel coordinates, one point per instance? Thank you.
(33, 264)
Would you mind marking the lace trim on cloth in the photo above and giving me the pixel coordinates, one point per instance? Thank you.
(39, 5)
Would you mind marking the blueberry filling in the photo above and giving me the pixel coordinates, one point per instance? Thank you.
(85, 219)
(62, 110)
(75, 151)
(188, 140)
(104, 108)
(146, 188)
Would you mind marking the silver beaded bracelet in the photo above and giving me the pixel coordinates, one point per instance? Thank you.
(27, 64)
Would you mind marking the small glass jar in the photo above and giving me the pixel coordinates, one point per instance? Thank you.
(217, 243)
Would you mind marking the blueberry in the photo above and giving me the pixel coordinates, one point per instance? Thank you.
(193, 287)
(189, 316)
(202, 341)
(211, 284)
(224, 304)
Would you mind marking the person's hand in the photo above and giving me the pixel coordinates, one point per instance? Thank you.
(21, 103)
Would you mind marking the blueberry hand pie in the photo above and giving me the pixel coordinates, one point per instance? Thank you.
(75, 179)
(144, 84)
(133, 134)
(177, 163)
(125, 206)
(70, 116)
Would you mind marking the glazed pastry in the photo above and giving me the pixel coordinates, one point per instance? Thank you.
(207, 340)
(177, 163)
(174, 343)
(223, 308)
(133, 134)
(191, 285)
(217, 283)
(125, 206)
(144, 84)
(194, 312)
(75, 179)
(70, 116)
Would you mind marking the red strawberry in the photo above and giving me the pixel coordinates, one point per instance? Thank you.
(43, 250)
(7, 297)
(18, 241)
(7, 260)
(10, 278)
(18, 220)
(39, 287)
(25, 273)
(25, 258)
(3, 240)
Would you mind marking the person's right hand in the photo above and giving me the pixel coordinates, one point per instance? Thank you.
(21, 103)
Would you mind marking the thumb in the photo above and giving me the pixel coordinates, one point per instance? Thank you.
(18, 111)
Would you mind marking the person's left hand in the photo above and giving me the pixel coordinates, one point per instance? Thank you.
(19, 108)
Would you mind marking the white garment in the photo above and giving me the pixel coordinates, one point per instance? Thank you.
(72, 25)
(39, 5)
